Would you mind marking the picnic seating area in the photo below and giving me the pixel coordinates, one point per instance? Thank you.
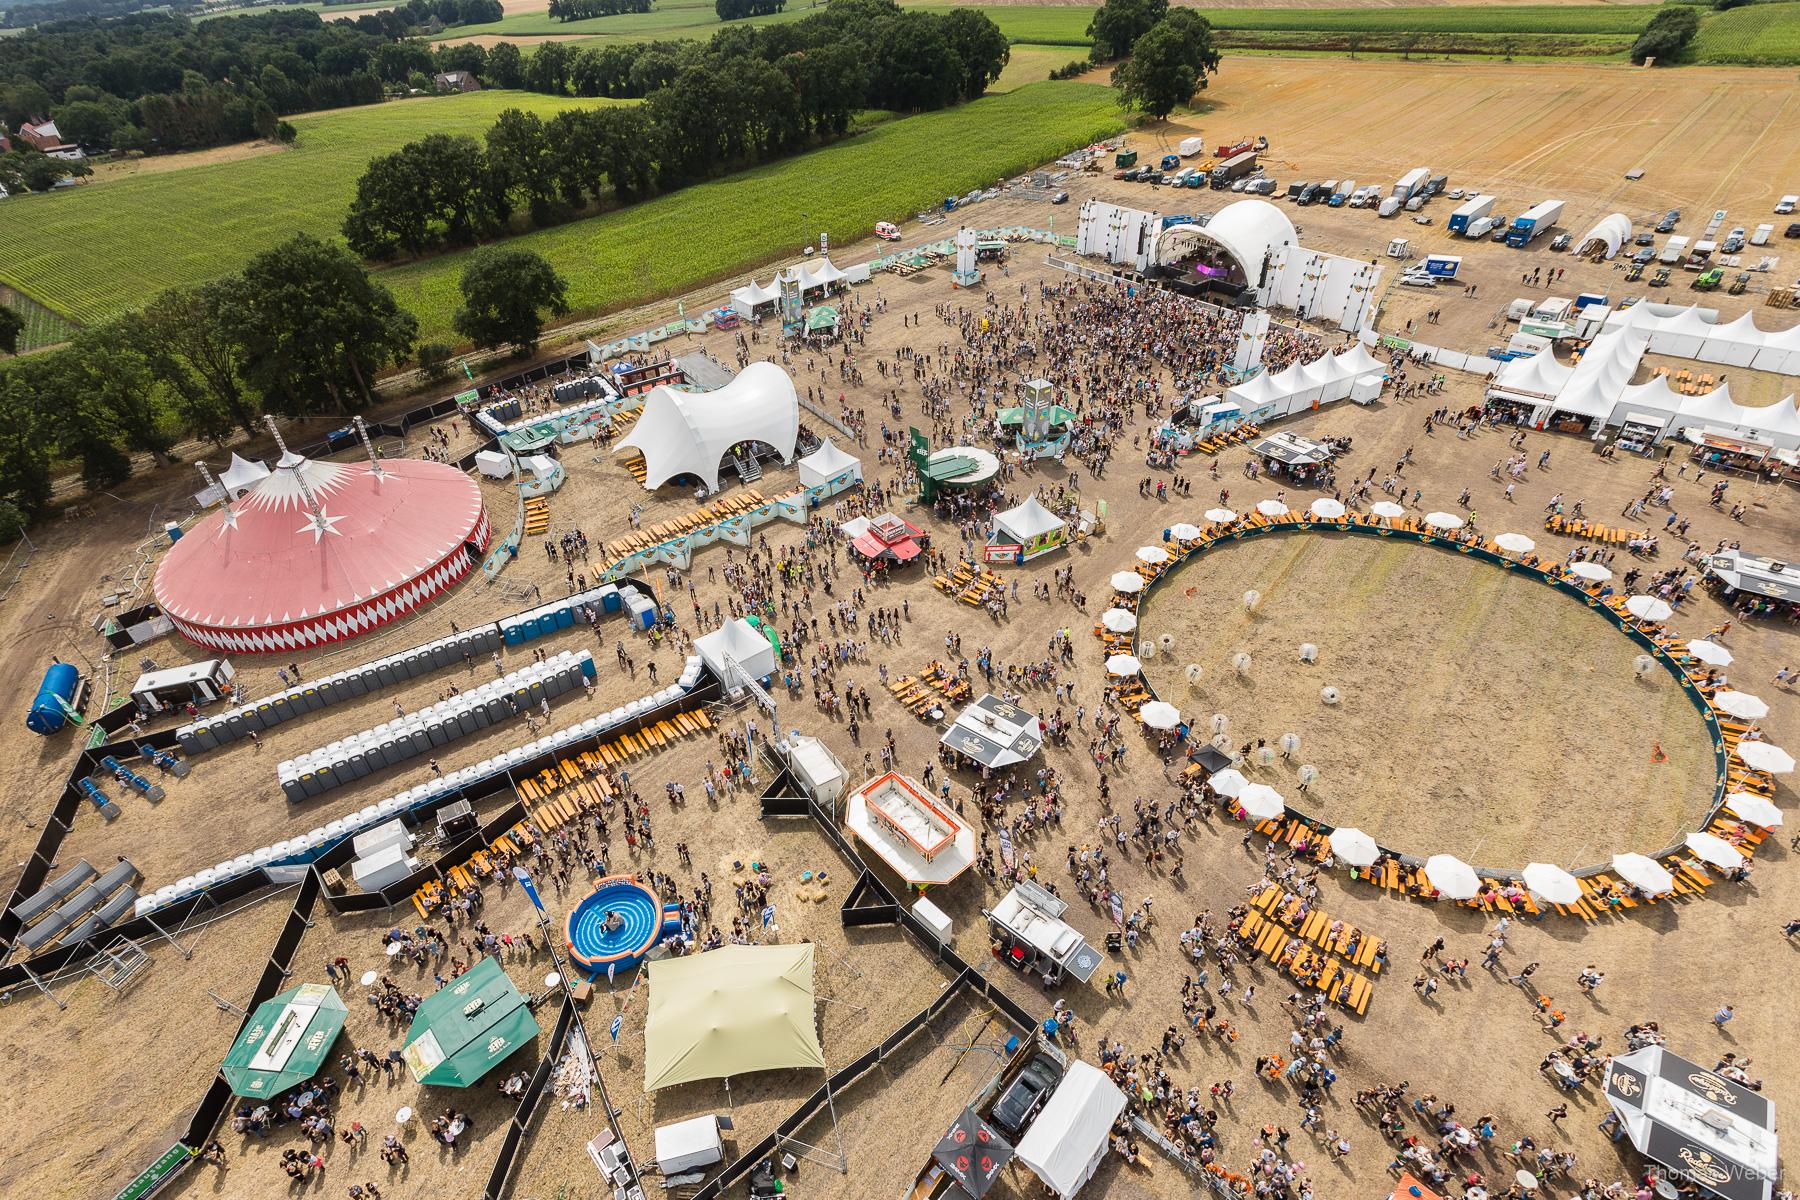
(923, 696)
(434, 893)
(1230, 437)
(537, 515)
(1327, 951)
(971, 584)
(663, 531)
(1592, 530)
(1685, 381)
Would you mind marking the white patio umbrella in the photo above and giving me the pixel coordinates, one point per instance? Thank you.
(1220, 516)
(1452, 876)
(1271, 508)
(1710, 847)
(1649, 608)
(1591, 571)
(1183, 531)
(1444, 520)
(1710, 653)
(1387, 509)
(1124, 664)
(1159, 715)
(1129, 582)
(1152, 555)
(1549, 882)
(1761, 756)
(1754, 809)
(1261, 802)
(1118, 620)
(1741, 704)
(1327, 508)
(1644, 873)
(1354, 846)
(1228, 782)
(1515, 543)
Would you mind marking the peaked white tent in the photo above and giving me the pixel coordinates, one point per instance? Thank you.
(1030, 526)
(1358, 361)
(747, 299)
(828, 463)
(242, 475)
(1066, 1143)
(688, 433)
(740, 641)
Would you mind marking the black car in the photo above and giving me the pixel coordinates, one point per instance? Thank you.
(1792, 231)
(1644, 239)
(1643, 257)
(1020, 1102)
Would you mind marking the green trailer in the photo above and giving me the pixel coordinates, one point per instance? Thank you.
(1125, 158)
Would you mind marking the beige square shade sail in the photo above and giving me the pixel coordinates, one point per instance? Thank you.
(728, 1012)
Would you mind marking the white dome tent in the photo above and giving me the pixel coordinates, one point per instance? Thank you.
(1611, 233)
(689, 433)
(1249, 233)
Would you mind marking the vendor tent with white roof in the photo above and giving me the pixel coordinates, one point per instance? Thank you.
(747, 299)
(1065, 1145)
(1031, 527)
(828, 464)
(740, 641)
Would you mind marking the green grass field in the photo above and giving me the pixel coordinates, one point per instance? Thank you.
(42, 327)
(95, 250)
(670, 19)
(1758, 35)
(724, 229)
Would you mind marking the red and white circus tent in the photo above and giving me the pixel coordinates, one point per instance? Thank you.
(321, 551)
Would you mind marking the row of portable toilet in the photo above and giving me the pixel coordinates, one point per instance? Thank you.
(226, 727)
(308, 846)
(395, 741)
(546, 619)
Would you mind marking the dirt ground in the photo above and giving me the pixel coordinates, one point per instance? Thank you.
(1675, 964)
(1493, 704)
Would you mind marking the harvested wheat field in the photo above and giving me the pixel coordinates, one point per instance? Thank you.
(1482, 714)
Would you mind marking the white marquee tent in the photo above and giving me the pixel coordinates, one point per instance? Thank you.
(242, 475)
(1065, 1145)
(689, 433)
(743, 643)
(826, 464)
(747, 299)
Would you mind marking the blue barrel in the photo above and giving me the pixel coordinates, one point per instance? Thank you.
(47, 715)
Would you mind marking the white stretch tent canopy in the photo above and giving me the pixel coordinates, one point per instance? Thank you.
(1066, 1143)
(747, 299)
(827, 463)
(738, 640)
(688, 433)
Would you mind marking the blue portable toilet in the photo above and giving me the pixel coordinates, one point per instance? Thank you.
(610, 600)
(563, 615)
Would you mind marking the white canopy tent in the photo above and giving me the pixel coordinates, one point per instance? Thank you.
(1028, 521)
(242, 475)
(689, 433)
(747, 299)
(1065, 1145)
(740, 641)
(826, 464)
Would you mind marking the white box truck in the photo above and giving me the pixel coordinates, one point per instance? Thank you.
(1192, 146)
(1411, 184)
(1471, 211)
(1674, 250)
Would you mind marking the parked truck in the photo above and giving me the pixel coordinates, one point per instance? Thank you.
(1534, 221)
(1411, 184)
(1234, 167)
(1472, 210)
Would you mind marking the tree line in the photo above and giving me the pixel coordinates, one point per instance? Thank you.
(736, 10)
(580, 10)
(302, 331)
(1167, 53)
(156, 82)
(745, 97)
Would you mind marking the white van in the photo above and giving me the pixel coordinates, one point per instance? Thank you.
(1389, 206)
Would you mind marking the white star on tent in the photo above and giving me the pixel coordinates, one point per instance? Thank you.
(228, 520)
(321, 524)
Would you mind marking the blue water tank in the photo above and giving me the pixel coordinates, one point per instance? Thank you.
(47, 715)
